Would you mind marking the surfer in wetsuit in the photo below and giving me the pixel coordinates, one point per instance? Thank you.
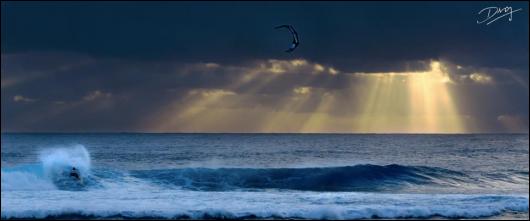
(74, 173)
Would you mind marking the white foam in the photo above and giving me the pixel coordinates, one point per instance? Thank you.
(134, 202)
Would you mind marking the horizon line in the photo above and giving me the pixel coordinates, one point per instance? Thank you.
(264, 133)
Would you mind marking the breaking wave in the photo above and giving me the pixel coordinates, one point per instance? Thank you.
(347, 192)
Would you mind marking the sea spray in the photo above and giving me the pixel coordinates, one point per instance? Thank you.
(58, 161)
(52, 171)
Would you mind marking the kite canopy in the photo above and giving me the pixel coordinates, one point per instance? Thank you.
(295, 37)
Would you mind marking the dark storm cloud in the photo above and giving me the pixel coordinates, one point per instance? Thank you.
(70, 91)
(354, 36)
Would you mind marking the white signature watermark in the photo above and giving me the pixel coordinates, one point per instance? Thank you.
(492, 14)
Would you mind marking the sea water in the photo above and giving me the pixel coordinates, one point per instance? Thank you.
(308, 176)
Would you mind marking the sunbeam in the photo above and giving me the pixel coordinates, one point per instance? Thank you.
(410, 102)
(391, 102)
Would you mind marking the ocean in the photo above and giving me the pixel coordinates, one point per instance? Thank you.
(280, 176)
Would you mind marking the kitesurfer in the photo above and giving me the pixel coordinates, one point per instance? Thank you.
(295, 42)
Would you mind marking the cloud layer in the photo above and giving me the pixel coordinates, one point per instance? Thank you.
(47, 93)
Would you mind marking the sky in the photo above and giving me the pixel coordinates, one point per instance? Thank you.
(361, 67)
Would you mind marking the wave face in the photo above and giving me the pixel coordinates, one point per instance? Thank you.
(348, 178)
(53, 174)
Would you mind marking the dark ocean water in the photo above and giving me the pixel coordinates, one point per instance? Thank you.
(329, 176)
